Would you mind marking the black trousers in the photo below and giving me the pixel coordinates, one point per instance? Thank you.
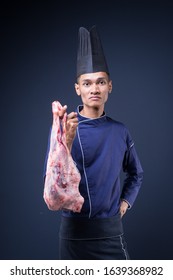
(92, 239)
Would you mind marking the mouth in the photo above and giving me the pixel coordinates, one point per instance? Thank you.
(95, 98)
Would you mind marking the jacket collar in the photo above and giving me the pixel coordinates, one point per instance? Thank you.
(91, 120)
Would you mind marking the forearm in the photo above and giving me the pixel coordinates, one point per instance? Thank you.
(131, 188)
(71, 126)
(69, 143)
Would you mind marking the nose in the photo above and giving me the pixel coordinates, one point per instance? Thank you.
(95, 89)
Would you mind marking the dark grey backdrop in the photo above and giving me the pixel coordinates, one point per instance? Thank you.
(38, 60)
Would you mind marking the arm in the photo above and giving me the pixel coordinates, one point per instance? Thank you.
(134, 176)
(62, 177)
(71, 126)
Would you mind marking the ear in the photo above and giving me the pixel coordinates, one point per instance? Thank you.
(77, 89)
(110, 86)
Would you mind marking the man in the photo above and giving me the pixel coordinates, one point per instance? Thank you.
(100, 147)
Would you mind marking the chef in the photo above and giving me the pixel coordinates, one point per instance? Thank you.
(101, 148)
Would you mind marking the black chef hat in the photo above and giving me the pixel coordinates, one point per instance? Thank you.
(90, 55)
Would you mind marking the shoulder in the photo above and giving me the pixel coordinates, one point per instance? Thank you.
(117, 124)
(120, 129)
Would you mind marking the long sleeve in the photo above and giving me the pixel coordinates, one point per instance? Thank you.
(134, 173)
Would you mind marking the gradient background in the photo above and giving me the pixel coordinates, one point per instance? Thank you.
(38, 63)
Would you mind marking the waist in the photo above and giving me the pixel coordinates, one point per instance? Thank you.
(96, 228)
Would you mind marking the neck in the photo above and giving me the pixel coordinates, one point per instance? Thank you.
(92, 113)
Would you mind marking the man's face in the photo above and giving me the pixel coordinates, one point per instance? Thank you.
(94, 88)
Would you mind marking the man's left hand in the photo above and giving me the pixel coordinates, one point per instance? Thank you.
(123, 207)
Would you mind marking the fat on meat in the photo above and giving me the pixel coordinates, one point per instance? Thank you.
(61, 189)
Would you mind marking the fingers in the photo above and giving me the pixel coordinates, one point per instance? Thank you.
(71, 124)
(72, 115)
(123, 208)
(122, 212)
(72, 120)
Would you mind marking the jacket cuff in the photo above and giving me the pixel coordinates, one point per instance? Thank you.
(129, 205)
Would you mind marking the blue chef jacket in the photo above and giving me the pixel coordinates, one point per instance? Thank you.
(101, 149)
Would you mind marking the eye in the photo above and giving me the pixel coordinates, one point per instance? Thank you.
(86, 84)
(102, 82)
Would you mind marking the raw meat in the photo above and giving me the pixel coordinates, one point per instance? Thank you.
(61, 190)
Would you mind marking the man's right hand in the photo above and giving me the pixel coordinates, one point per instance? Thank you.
(71, 125)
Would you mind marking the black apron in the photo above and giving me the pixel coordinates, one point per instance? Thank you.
(88, 239)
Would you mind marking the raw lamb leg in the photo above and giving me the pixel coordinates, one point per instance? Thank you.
(61, 190)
